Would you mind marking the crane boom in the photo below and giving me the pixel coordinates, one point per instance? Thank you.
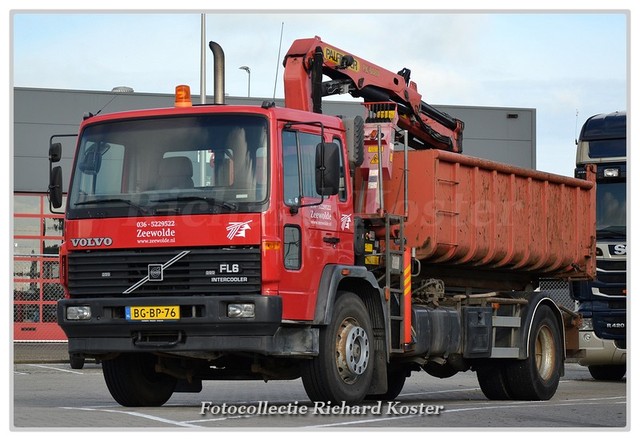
(309, 59)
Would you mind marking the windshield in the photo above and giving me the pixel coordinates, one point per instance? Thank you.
(608, 148)
(611, 209)
(177, 165)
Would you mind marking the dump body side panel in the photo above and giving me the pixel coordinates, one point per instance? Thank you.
(491, 218)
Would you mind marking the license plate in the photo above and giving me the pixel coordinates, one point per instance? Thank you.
(152, 313)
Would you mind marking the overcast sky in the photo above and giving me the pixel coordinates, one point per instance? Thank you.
(562, 64)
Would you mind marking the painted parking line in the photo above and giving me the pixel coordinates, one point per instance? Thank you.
(135, 414)
(69, 371)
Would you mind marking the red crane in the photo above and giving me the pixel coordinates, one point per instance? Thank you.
(309, 59)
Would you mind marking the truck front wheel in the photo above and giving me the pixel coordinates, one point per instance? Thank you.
(613, 372)
(537, 377)
(133, 381)
(343, 369)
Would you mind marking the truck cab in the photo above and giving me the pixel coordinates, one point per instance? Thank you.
(603, 301)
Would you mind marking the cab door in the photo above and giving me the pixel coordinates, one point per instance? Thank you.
(316, 230)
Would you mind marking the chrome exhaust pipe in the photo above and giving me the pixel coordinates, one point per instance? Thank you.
(218, 72)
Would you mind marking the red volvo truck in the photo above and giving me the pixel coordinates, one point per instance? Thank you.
(219, 242)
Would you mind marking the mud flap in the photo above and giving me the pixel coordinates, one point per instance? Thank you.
(379, 380)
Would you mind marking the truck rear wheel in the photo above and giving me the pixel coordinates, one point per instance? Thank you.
(133, 381)
(537, 377)
(343, 369)
(492, 377)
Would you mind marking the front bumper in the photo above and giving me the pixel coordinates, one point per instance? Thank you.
(598, 351)
(203, 327)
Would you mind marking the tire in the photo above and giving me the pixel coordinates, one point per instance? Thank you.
(76, 361)
(537, 377)
(133, 381)
(492, 377)
(343, 369)
(611, 372)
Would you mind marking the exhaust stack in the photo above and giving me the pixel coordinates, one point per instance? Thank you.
(218, 72)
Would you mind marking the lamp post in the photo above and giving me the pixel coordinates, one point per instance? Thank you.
(246, 68)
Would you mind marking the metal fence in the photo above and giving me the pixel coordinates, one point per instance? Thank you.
(36, 290)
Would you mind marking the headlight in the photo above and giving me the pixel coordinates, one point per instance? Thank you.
(78, 313)
(241, 310)
(611, 172)
(587, 324)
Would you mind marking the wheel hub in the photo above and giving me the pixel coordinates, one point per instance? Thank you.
(352, 351)
(545, 353)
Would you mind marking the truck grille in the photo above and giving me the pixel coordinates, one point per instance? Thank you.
(611, 271)
(165, 271)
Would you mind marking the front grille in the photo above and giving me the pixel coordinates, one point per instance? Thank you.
(612, 291)
(199, 271)
(611, 278)
(612, 265)
(611, 272)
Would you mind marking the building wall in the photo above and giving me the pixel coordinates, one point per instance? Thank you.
(40, 113)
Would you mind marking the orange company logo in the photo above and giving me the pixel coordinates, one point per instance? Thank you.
(237, 229)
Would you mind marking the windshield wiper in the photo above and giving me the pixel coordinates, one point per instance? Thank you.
(211, 201)
(110, 200)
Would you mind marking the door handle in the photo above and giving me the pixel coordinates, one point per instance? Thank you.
(331, 240)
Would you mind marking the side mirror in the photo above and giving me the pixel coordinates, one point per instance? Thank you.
(55, 152)
(354, 133)
(55, 187)
(327, 168)
(55, 173)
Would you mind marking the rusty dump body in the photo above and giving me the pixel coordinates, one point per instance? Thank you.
(481, 224)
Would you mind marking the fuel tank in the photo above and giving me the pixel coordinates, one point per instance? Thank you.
(483, 224)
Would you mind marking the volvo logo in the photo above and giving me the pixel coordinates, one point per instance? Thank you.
(155, 272)
(91, 241)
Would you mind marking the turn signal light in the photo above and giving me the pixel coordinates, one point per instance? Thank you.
(183, 96)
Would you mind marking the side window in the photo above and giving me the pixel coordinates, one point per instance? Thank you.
(298, 163)
(342, 190)
(291, 176)
(292, 250)
(308, 143)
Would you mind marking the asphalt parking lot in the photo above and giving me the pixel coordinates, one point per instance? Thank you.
(55, 396)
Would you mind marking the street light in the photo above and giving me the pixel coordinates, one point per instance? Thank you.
(122, 89)
(246, 68)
